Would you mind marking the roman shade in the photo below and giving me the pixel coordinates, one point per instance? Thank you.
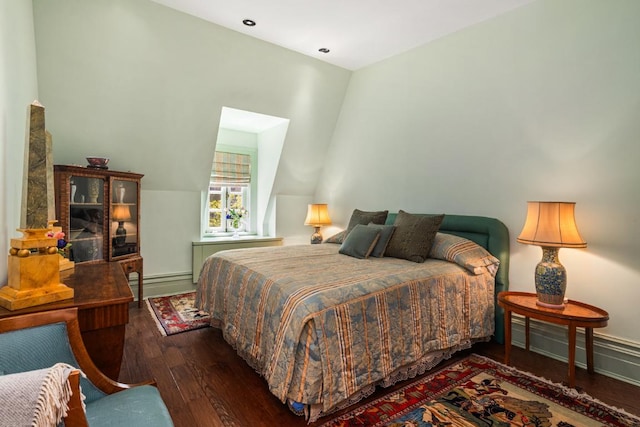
(231, 169)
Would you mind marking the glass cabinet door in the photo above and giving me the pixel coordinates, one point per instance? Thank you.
(86, 218)
(124, 217)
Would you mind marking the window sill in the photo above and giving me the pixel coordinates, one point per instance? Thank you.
(229, 238)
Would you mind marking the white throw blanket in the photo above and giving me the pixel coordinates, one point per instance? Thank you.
(35, 398)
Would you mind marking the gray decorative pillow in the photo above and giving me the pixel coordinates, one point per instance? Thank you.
(386, 231)
(364, 218)
(360, 242)
(414, 236)
(336, 238)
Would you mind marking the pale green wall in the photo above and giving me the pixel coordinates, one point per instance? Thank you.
(18, 89)
(542, 103)
(144, 85)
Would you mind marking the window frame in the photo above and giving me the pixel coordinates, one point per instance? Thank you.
(249, 196)
(225, 193)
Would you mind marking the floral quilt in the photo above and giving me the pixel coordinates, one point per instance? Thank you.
(321, 327)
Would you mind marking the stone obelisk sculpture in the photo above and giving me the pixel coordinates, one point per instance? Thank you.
(33, 262)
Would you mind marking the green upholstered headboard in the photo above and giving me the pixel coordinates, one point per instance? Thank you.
(491, 234)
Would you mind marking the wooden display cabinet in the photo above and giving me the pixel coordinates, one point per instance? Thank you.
(99, 212)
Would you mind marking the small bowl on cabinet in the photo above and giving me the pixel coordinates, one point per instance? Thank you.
(97, 162)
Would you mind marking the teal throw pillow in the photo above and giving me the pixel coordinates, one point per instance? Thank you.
(360, 241)
(386, 231)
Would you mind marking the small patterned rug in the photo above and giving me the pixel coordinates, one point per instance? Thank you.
(481, 392)
(176, 313)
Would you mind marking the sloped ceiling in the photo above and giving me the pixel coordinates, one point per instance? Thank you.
(356, 32)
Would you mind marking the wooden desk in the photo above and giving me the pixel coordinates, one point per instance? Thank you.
(575, 314)
(102, 295)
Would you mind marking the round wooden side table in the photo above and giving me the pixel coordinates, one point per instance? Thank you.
(574, 315)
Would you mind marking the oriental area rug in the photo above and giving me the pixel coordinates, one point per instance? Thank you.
(176, 313)
(481, 392)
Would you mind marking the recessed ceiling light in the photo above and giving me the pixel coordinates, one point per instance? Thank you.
(249, 22)
(324, 50)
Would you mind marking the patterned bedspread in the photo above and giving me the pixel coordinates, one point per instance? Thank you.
(320, 326)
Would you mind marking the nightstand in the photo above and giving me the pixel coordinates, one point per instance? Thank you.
(574, 315)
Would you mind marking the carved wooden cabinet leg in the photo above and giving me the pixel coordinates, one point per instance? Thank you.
(134, 265)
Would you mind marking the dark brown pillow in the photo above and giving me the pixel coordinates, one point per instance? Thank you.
(364, 218)
(414, 236)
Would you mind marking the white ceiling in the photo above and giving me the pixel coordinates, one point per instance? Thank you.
(357, 32)
(248, 121)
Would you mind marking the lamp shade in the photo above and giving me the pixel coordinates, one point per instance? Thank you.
(317, 215)
(551, 224)
(121, 213)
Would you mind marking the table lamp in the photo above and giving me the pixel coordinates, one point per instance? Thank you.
(552, 226)
(121, 213)
(317, 216)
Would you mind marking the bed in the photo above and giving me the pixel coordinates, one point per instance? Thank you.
(324, 328)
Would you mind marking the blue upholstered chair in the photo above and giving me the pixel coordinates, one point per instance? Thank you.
(40, 340)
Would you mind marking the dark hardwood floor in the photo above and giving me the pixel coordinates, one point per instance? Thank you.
(204, 383)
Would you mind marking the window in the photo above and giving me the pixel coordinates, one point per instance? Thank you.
(221, 200)
(258, 139)
(229, 189)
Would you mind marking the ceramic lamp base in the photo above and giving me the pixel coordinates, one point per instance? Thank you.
(551, 280)
(316, 237)
(121, 235)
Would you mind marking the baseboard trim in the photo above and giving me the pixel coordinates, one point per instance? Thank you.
(613, 357)
(164, 284)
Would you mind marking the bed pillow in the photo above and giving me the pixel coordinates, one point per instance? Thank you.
(414, 236)
(336, 238)
(359, 217)
(386, 231)
(360, 242)
(364, 218)
(465, 253)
